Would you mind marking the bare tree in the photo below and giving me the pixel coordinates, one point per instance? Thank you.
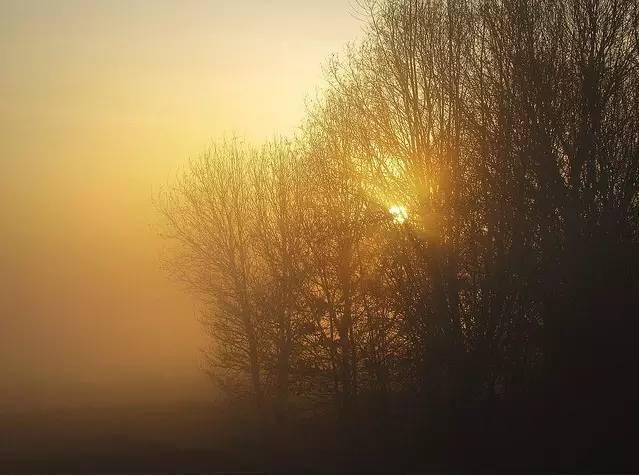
(457, 220)
(208, 215)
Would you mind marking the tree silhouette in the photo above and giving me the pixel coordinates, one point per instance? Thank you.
(457, 225)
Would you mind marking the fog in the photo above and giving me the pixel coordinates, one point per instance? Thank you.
(102, 103)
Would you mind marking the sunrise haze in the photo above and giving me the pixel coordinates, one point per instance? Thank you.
(102, 103)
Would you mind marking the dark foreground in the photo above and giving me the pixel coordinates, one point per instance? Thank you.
(197, 438)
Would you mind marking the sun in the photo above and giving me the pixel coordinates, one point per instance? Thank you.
(399, 213)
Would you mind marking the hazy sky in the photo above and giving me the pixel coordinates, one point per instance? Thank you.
(101, 101)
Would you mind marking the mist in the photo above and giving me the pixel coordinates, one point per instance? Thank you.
(342, 236)
(102, 104)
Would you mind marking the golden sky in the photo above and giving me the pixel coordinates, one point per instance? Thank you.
(101, 103)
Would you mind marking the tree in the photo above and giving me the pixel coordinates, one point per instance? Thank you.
(457, 222)
(208, 216)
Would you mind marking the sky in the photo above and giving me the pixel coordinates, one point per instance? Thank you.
(102, 101)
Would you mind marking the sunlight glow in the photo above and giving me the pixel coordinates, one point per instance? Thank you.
(399, 213)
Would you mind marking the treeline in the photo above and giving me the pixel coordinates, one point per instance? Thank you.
(457, 220)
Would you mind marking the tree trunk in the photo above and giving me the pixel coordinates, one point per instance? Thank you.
(254, 363)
